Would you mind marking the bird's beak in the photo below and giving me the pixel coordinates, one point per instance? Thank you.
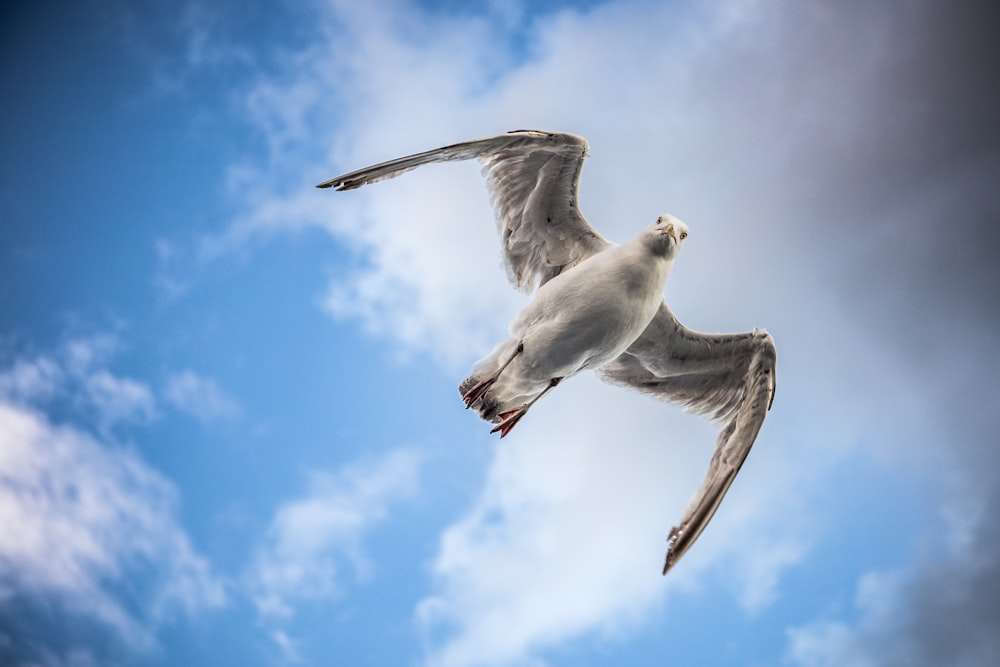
(669, 231)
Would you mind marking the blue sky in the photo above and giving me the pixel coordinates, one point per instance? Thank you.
(229, 428)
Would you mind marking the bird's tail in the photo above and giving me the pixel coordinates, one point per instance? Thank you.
(499, 396)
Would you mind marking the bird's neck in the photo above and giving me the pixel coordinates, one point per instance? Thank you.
(644, 271)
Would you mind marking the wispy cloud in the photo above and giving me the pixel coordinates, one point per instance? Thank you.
(200, 396)
(79, 516)
(82, 516)
(938, 609)
(30, 380)
(313, 538)
(83, 353)
(167, 279)
(79, 371)
(118, 399)
(314, 545)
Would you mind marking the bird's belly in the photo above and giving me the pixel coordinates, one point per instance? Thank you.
(583, 338)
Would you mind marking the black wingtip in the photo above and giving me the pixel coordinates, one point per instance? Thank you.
(671, 557)
(668, 563)
(327, 184)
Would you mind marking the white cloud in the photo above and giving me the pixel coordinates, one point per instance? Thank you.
(822, 645)
(79, 370)
(766, 560)
(167, 279)
(312, 538)
(84, 519)
(568, 534)
(287, 646)
(30, 381)
(200, 396)
(939, 609)
(78, 516)
(781, 133)
(81, 354)
(118, 399)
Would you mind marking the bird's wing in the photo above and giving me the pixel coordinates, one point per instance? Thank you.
(533, 178)
(729, 378)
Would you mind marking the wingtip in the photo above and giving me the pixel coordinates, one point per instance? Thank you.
(668, 562)
(671, 558)
(340, 185)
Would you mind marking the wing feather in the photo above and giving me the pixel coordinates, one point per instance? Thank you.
(533, 179)
(729, 378)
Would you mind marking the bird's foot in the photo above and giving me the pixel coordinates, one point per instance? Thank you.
(508, 419)
(478, 390)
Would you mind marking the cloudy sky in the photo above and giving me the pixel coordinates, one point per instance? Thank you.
(229, 429)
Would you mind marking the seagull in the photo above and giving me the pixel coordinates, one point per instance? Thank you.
(599, 306)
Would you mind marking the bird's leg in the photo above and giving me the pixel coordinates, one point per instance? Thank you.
(477, 390)
(510, 417)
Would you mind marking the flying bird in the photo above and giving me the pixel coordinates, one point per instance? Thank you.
(599, 306)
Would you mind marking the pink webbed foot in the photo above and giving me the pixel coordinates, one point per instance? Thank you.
(508, 419)
(478, 390)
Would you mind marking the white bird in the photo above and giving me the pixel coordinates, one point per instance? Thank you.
(599, 306)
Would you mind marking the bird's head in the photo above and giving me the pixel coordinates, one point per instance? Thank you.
(666, 235)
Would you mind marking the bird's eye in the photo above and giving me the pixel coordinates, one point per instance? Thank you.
(684, 235)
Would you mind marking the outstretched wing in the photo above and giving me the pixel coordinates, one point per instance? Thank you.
(533, 178)
(729, 378)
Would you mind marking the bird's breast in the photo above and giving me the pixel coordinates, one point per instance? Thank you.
(583, 319)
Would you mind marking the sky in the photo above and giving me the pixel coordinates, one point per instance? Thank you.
(229, 425)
